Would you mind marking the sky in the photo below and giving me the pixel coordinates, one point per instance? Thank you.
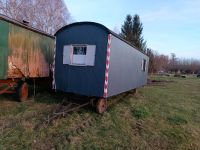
(168, 26)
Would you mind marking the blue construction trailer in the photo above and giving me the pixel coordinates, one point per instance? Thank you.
(92, 60)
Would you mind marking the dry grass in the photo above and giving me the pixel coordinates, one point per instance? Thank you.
(157, 117)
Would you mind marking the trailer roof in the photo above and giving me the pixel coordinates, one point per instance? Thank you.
(18, 23)
(101, 26)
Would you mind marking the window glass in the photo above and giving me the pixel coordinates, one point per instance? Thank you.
(79, 55)
(144, 65)
(79, 50)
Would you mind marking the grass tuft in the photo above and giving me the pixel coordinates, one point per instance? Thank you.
(177, 120)
(141, 112)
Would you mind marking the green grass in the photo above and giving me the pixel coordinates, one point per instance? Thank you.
(160, 116)
(141, 112)
(177, 120)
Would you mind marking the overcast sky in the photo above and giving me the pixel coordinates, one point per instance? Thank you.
(169, 26)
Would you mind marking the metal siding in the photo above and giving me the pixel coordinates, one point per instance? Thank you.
(22, 25)
(125, 72)
(83, 80)
(30, 53)
(66, 54)
(3, 49)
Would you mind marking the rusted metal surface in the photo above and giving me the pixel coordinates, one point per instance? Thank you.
(23, 25)
(101, 105)
(25, 53)
(22, 92)
(7, 86)
(62, 110)
(31, 54)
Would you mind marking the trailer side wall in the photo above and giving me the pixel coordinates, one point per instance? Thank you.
(26, 53)
(125, 71)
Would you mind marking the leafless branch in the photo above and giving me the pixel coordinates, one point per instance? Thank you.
(46, 15)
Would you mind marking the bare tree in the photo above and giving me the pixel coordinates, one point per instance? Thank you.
(157, 62)
(151, 55)
(189, 66)
(173, 64)
(46, 15)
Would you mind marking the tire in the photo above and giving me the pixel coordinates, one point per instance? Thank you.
(134, 91)
(101, 106)
(22, 91)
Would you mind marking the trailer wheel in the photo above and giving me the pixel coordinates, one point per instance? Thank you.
(101, 106)
(134, 91)
(22, 91)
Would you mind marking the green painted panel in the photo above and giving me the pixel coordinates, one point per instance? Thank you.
(3, 49)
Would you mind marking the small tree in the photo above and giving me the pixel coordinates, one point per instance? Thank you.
(132, 31)
(126, 30)
(173, 65)
(151, 55)
(137, 28)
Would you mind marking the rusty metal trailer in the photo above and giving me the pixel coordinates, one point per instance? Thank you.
(25, 52)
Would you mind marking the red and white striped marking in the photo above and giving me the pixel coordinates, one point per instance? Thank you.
(53, 67)
(107, 67)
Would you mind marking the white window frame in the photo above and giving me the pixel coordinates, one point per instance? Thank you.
(86, 59)
(72, 55)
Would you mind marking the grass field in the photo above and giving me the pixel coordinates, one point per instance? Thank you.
(160, 116)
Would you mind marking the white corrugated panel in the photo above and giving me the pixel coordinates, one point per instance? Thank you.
(90, 55)
(78, 59)
(66, 54)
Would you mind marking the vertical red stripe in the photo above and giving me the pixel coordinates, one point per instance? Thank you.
(53, 67)
(107, 67)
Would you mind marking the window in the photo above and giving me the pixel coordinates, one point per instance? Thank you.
(79, 55)
(79, 50)
(144, 65)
